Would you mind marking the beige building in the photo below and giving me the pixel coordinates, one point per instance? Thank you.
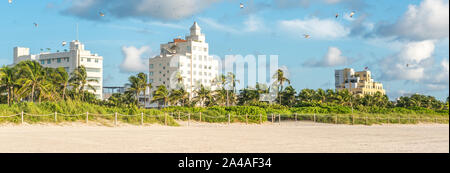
(186, 58)
(70, 60)
(359, 83)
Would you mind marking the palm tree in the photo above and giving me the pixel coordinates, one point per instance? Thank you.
(231, 80)
(7, 80)
(79, 80)
(320, 95)
(161, 94)
(221, 94)
(203, 95)
(62, 78)
(289, 95)
(32, 77)
(281, 79)
(139, 85)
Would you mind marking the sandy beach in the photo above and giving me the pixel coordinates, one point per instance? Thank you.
(288, 137)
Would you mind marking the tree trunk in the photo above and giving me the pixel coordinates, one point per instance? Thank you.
(227, 99)
(64, 91)
(32, 93)
(9, 92)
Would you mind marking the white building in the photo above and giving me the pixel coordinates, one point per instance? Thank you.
(187, 57)
(70, 60)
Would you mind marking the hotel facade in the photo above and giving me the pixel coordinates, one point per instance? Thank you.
(188, 59)
(359, 83)
(70, 60)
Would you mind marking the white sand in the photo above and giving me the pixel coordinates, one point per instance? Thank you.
(289, 137)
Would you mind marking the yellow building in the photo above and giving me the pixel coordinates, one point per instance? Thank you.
(359, 83)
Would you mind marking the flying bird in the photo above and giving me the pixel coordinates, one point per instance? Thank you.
(407, 65)
(102, 14)
(337, 15)
(35, 25)
(352, 13)
(64, 43)
(241, 5)
(306, 36)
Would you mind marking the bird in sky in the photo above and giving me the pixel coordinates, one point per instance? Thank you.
(102, 14)
(352, 13)
(337, 15)
(35, 24)
(407, 65)
(64, 43)
(306, 36)
(241, 5)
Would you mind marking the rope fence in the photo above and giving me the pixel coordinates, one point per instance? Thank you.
(228, 118)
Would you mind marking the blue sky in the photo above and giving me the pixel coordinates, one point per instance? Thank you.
(383, 35)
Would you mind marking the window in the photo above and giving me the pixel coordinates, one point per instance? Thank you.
(49, 61)
(205, 49)
(42, 62)
(151, 65)
(93, 69)
(89, 60)
(151, 73)
(96, 60)
(58, 60)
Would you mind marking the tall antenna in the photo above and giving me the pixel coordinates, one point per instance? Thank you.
(77, 30)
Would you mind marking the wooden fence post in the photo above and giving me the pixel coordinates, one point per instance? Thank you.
(246, 119)
(260, 119)
(142, 118)
(279, 119)
(87, 117)
(229, 119)
(189, 118)
(21, 116)
(353, 120)
(367, 122)
(165, 119)
(56, 119)
(399, 120)
(295, 117)
(314, 117)
(336, 120)
(200, 116)
(115, 119)
(272, 118)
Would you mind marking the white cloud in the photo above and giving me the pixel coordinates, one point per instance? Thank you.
(216, 25)
(133, 61)
(410, 63)
(253, 23)
(250, 24)
(157, 9)
(429, 20)
(317, 28)
(333, 58)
